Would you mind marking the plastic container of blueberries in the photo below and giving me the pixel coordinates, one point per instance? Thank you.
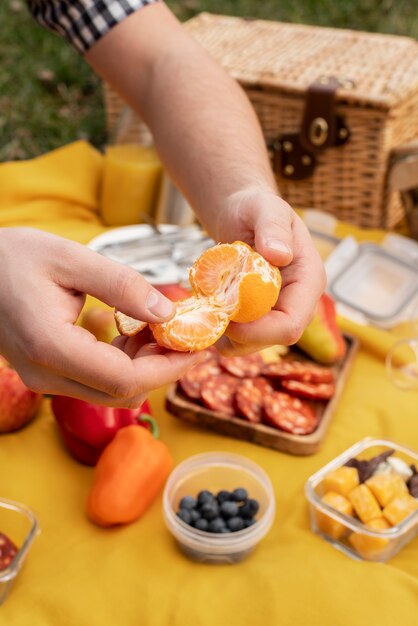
(384, 543)
(216, 471)
(20, 525)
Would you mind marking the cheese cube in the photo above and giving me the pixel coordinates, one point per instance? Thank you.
(400, 508)
(341, 480)
(364, 503)
(385, 487)
(370, 547)
(327, 524)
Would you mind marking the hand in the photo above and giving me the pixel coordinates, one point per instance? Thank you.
(43, 283)
(268, 223)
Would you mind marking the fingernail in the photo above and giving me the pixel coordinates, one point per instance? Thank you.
(278, 246)
(159, 305)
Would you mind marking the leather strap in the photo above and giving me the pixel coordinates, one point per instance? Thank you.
(294, 154)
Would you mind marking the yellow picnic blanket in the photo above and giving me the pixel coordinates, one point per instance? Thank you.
(79, 575)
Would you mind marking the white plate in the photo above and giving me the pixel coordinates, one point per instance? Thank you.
(168, 263)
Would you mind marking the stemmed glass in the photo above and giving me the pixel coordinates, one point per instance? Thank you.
(402, 358)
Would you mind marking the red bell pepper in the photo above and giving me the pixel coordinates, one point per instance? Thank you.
(87, 429)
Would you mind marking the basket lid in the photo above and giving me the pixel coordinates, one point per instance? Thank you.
(287, 58)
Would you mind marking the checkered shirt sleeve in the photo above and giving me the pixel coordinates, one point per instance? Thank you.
(83, 22)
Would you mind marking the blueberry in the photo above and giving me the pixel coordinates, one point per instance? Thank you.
(184, 514)
(188, 502)
(201, 524)
(240, 494)
(194, 516)
(235, 523)
(249, 508)
(209, 510)
(225, 530)
(205, 496)
(216, 525)
(224, 496)
(249, 522)
(229, 509)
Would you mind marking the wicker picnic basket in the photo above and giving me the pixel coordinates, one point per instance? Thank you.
(337, 108)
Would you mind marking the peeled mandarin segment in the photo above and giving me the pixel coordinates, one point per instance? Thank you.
(327, 524)
(370, 547)
(342, 480)
(400, 508)
(214, 268)
(196, 325)
(364, 503)
(385, 487)
(128, 325)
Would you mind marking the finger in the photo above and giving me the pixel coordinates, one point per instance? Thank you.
(76, 354)
(45, 382)
(132, 345)
(228, 347)
(115, 284)
(273, 231)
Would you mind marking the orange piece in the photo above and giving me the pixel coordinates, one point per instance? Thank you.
(342, 480)
(328, 524)
(196, 325)
(400, 508)
(364, 503)
(367, 546)
(238, 279)
(229, 282)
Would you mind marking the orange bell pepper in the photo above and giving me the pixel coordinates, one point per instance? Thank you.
(128, 477)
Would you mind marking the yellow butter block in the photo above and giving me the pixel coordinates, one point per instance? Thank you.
(385, 487)
(370, 547)
(399, 508)
(327, 524)
(341, 480)
(364, 503)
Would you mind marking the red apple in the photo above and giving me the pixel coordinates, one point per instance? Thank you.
(18, 404)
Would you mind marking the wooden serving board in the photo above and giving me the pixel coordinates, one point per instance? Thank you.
(185, 409)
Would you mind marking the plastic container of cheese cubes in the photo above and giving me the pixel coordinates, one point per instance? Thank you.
(369, 520)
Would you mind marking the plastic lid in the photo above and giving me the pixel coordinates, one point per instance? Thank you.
(376, 283)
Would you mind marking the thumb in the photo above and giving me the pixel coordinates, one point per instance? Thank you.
(115, 284)
(273, 231)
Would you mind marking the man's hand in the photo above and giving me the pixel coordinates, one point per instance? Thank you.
(264, 220)
(43, 283)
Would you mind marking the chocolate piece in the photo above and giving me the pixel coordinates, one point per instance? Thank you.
(413, 485)
(365, 468)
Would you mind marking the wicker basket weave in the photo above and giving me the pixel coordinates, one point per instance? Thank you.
(276, 63)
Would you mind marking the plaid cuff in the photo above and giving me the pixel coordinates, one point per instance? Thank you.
(83, 22)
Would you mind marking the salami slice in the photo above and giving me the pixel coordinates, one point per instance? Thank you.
(303, 371)
(218, 393)
(289, 414)
(248, 366)
(249, 398)
(192, 381)
(8, 551)
(310, 391)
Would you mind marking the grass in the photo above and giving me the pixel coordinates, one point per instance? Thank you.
(49, 96)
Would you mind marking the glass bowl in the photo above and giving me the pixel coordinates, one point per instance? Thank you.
(216, 471)
(20, 525)
(348, 533)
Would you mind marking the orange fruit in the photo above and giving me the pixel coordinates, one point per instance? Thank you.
(238, 279)
(196, 325)
(231, 282)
